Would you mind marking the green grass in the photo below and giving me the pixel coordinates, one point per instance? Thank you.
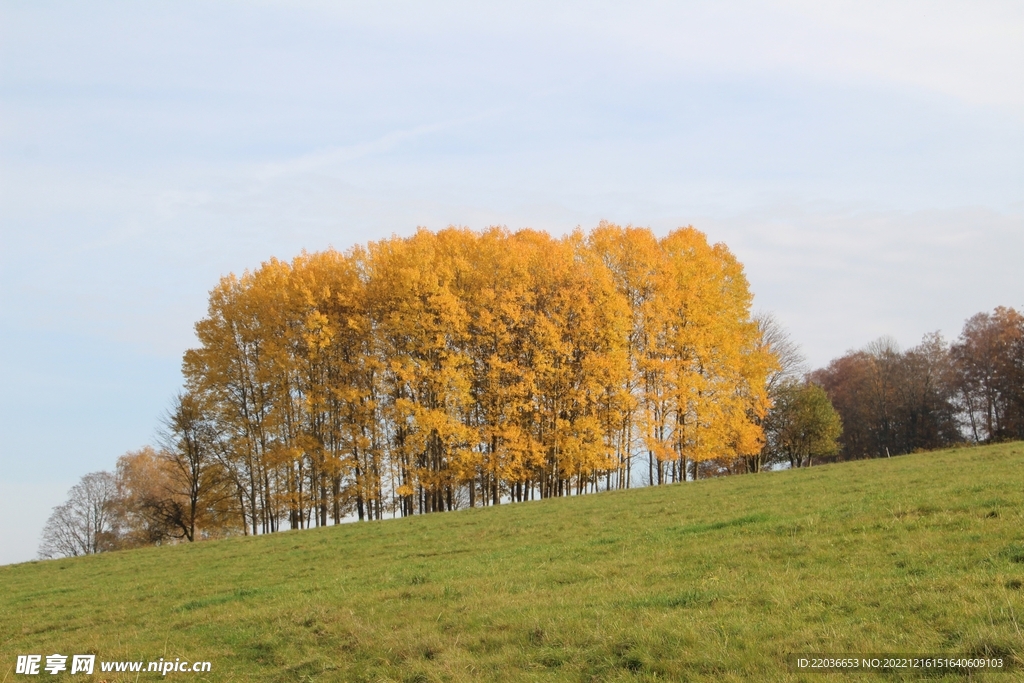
(718, 580)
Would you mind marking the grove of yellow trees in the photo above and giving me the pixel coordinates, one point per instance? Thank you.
(463, 368)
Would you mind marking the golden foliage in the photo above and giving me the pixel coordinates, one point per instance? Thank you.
(444, 369)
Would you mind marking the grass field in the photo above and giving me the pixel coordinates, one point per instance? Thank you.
(715, 580)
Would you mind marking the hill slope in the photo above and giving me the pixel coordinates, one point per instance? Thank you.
(715, 580)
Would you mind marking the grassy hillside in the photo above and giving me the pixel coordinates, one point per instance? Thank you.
(717, 580)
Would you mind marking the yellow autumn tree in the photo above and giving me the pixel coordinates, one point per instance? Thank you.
(430, 372)
(719, 366)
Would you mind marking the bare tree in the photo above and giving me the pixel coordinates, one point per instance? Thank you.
(790, 366)
(791, 362)
(84, 524)
(199, 493)
(177, 493)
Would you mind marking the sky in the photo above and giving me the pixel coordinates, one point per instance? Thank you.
(864, 161)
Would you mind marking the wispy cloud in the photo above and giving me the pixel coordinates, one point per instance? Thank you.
(334, 156)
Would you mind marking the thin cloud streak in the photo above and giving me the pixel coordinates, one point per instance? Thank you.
(330, 157)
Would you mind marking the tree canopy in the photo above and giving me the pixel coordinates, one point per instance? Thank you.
(457, 368)
(802, 424)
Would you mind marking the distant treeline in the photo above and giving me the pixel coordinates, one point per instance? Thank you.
(933, 395)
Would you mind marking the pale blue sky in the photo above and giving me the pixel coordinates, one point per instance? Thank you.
(864, 160)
